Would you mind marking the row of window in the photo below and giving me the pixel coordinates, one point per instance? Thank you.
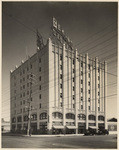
(58, 116)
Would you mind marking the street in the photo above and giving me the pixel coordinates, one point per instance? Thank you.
(73, 141)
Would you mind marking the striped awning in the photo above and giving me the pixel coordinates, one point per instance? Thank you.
(93, 127)
(58, 127)
(71, 127)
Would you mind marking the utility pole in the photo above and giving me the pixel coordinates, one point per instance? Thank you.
(31, 78)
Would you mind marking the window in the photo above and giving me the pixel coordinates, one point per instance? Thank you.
(40, 69)
(27, 76)
(61, 86)
(81, 81)
(70, 116)
(73, 97)
(27, 92)
(89, 75)
(98, 77)
(98, 108)
(81, 63)
(81, 90)
(73, 79)
(20, 73)
(81, 72)
(40, 78)
(27, 68)
(82, 117)
(73, 105)
(60, 76)
(19, 119)
(88, 107)
(73, 88)
(89, 66)
(98, 70)
(60, 57)
(60, 67)
(81, 106)
(61, 104)
(39, 60)
(89, 99)
(98, 93)
(73, 70)
(40, 87)
(25, 118)
(15, 98)
(20, 80)
(21, 103)
(73, 61)
(89, 83)
(40, 96)
(21, 110)
(27, 84)
(21, 95)
(23, 79)
(98, 101)
(34, 117)
(60, 95)
(31, 66)
(23, 86)
(88, 91)
(14, 91)
(43, 116)
(39, 105)
(81, 98)
(98, 85)
(91, 117)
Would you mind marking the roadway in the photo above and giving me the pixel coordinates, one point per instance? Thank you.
(98, 141)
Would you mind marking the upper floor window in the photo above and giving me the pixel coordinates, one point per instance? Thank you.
(39, 60)
(60, 57)
(73, 61)
(70, 116)
(81, 63)
(40, 78)
(43, 116)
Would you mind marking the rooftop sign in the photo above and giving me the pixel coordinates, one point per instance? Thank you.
(58, 32)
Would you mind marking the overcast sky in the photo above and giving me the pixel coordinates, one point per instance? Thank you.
(92, 26)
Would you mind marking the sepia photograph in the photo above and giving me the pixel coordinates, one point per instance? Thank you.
(59, 74)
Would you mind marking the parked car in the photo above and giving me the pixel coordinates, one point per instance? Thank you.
(90, 132)
(94, 132)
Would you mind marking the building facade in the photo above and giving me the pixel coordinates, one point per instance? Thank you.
(67, 93)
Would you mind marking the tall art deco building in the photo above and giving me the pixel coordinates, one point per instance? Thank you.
(66, 90)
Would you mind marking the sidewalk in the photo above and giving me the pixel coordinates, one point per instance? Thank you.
(55, 135)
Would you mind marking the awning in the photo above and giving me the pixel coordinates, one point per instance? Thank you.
(71, 127)
(92, 127)
(58, 127)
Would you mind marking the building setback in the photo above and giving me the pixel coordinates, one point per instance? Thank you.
(68, 91)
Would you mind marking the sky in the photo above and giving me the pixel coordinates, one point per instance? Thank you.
(92, 26)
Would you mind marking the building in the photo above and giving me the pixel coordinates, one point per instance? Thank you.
(112, 125)
(64, 91)
(5, 126)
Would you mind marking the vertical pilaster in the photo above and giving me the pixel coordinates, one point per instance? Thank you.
(105, 93)
(50, 90)
(86, 89)
(96, 91)
(100, 87)
(76, 90)
(64, 85)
